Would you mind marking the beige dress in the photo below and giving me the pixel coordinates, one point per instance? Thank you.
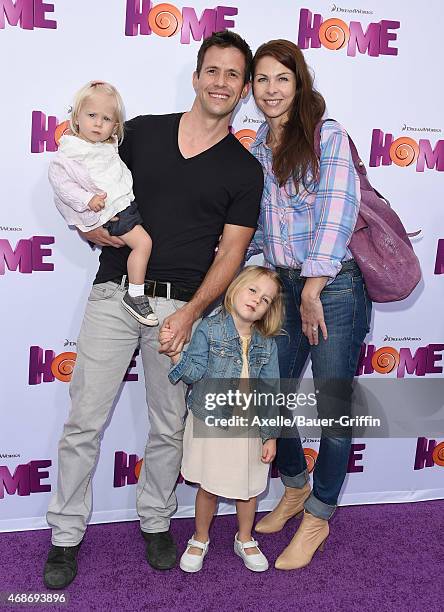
(227, 466)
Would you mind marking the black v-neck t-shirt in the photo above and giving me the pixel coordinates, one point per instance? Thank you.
(184, 203)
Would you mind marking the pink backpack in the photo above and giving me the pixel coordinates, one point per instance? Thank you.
(379, 244)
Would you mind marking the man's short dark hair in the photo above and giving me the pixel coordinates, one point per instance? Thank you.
(224, 39)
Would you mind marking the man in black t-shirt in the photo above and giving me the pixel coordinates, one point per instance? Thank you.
(198, 191)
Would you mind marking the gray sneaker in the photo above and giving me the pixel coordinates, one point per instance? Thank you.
(140, 308)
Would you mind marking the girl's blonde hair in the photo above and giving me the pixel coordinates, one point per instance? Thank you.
(89, 90)
(271, 322)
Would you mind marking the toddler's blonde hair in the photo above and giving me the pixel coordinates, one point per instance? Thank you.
(271, 322)
(89, 90)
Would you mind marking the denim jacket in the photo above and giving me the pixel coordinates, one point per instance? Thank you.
(215, 352)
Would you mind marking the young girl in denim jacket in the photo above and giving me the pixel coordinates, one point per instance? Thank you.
(235, 343)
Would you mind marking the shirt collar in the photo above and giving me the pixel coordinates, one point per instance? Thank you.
(230, 328)
(231, 331)
(261, 136)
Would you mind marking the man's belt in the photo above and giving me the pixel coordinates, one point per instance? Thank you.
(160, 289)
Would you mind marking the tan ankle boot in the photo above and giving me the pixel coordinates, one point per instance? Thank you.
(310, 536)
(292, 503)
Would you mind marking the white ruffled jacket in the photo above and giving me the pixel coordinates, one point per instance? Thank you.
(83, 169)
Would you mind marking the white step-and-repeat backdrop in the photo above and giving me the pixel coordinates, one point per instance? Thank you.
(378, 66)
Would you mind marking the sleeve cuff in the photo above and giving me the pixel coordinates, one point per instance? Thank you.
(252, 250)
(321, 268)
(269, 433)
(177, 371)
(90, 217)
(86, 199)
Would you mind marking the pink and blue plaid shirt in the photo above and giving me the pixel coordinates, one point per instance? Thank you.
(309, 230)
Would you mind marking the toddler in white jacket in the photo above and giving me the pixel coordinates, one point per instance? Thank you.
(94, 188)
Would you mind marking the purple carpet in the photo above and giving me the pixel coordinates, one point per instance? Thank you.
(378, 558)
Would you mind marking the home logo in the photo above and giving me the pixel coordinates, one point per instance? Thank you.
(388, 359)
(27, 256)
(167, 20)
(439, 262)
(356, 454)
(335, 34)
(428, 454)
(27, 14)
(310, 455)
(46, 132)
(48, 366)
(246, 137)
(45, 366)
(127, 469)
(405, 151)
(26, 478)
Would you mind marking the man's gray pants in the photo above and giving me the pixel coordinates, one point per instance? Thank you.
(108, 338)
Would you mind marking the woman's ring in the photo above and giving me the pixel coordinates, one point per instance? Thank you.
(315, 329)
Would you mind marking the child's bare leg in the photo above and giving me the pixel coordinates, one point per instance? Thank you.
(205, 509)
(246, 511)
(135, 301)
(140, 244)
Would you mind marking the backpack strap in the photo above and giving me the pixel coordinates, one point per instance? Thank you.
(357, 161)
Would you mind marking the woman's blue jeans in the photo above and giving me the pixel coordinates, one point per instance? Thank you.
(347, 313)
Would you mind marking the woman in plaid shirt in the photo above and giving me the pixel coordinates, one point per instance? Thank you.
(308, 214)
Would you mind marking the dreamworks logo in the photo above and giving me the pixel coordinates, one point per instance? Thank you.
(247, 119)
(338, 9)
(411, 128)
(388, 338)
(10, 228)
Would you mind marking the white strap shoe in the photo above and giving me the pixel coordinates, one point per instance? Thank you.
(193, 563)
(255, 563)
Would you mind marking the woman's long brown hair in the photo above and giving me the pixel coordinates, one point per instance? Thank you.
(295, 155)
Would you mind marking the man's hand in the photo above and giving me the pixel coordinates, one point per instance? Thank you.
(179, 325)
(97, 202)
(101, 237)
(229, 256)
